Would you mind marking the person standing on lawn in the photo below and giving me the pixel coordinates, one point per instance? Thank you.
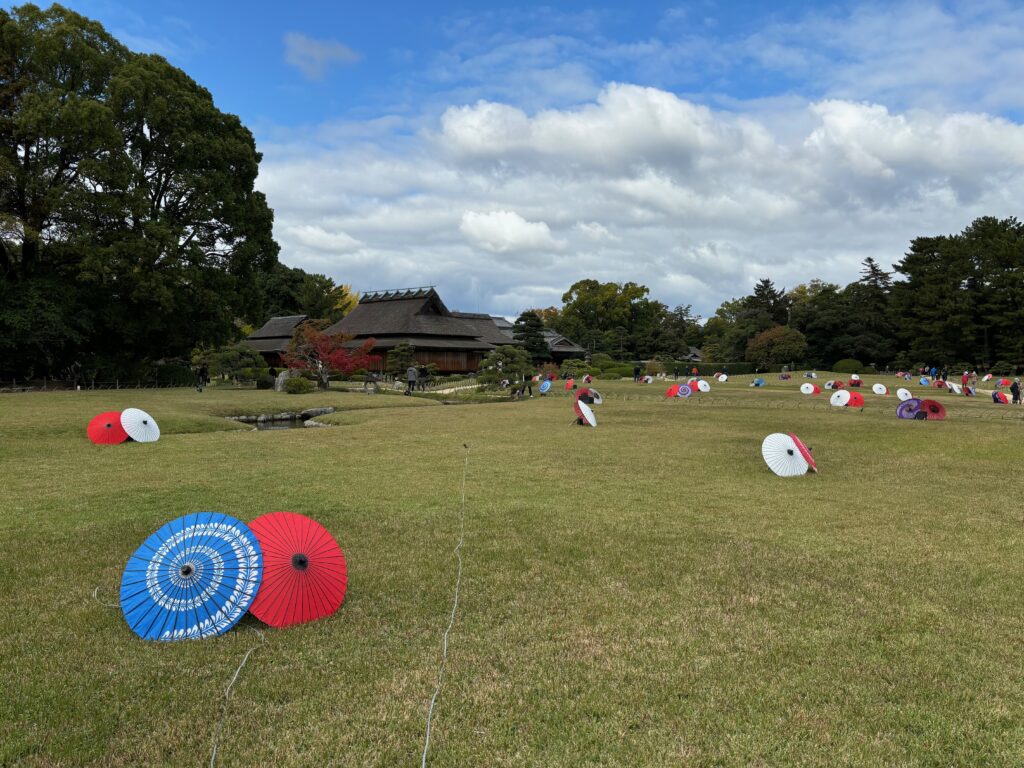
(411, 375)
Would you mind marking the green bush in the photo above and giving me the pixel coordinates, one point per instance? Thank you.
(176, 374)
(616, 372)
(298, 386)
(575, 367)
(848, 365)
(603, 361)
(265, 382)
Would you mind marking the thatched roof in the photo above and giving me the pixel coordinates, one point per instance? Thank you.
(387, 313)
(558, 343)
(276, 334)
(279, 327)
(487, 329)
(419, 317)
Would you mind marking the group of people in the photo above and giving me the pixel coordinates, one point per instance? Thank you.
(416, 379)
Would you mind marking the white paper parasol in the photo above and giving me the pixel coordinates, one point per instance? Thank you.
(807, 388)
(840, 398)
(904, 394)
(703, 386)
(723, 378)
(140, 426)
(782, 455)
(588, 415)
(879, 389)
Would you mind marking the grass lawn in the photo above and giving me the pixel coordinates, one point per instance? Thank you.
(643, 593)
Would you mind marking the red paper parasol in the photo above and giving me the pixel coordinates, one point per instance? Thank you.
(106, 429)
(939, 384)
(856, 400)
(999, 397)
(1004, 382)
(582, 396)
(568, 384)
(805, 452)
(838, 384)
(935, 410)
(672, 391)
(304, 571)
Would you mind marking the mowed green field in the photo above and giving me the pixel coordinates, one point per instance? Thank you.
(643, 593)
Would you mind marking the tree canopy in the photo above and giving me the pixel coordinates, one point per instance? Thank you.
(529, 329)
(129, 225)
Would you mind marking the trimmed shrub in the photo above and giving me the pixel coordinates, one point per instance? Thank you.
(298, 386)
(848, 365)
(265, 382)
(616, 372)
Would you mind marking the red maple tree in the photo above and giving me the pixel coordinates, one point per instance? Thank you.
(313, 350)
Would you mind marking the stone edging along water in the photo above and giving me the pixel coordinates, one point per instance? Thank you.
(305, 416)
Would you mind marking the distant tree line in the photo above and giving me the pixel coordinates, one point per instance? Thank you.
(951, 300)
(130, 231)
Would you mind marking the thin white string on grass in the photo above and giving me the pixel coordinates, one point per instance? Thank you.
(455, 606)
(96, 597)
(227, 696)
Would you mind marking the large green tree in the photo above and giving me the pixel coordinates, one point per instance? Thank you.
(617, 318)
(126, 201)
(529, 329)
(777, 345)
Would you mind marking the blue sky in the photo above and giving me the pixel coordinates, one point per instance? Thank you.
(503, 151)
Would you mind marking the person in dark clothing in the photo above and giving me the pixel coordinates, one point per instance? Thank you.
(423, 375)
(1015, 391)
(636, 373)
(675, 372)
(202, 377)
(411, 375)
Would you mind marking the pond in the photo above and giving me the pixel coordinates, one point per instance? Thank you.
(287, 424)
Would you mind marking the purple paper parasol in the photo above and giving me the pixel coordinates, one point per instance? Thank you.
(908, 408)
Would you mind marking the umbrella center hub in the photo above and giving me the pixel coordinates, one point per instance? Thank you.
(187, 570)
(300, 562)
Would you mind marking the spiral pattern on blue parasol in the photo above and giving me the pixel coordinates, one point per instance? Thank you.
(195, 577)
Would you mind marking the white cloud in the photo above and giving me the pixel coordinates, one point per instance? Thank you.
(319, 239)
(504, 209)
(314, 57)
(505, 231)
(592, 230)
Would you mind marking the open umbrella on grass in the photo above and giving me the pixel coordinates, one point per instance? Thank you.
(194, 577)
(106, 429)
(304, 571)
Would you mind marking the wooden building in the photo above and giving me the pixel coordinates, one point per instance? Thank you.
(273, 338)
(455, 342)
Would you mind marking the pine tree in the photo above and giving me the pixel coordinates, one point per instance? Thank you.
(529, 329)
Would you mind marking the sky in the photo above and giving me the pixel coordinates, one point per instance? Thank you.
(503, 151)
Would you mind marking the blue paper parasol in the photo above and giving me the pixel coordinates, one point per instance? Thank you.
(195, 577)
(545, 386)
